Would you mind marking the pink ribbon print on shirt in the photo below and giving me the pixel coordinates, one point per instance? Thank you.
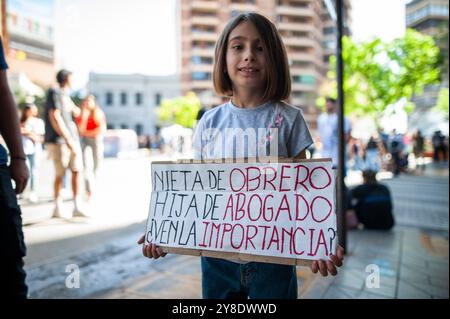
(276, 124)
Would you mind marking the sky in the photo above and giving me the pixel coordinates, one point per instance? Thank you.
(382, 18)
(38, 9)
(113, 36)
(107, 36)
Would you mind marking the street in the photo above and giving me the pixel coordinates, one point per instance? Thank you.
(118, 208)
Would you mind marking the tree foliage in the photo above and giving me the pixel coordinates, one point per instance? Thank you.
(378, 74)
(181, 110)
(442, 102)
(22, 98)
(441, 40)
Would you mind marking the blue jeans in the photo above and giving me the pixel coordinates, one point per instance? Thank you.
(31, 162)
(223, 279)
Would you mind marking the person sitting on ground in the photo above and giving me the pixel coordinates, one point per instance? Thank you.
(372, 203)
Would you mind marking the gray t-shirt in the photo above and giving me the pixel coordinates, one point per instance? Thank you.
(271, 129)
(59, 99)
(228, 131)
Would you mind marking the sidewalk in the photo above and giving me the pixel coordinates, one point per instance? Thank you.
(411, 261)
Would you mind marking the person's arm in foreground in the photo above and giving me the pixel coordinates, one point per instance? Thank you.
(10, 130)
(328, 266)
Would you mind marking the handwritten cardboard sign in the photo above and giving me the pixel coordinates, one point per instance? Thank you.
(271, 212)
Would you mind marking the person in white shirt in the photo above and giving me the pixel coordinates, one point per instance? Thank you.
(327, 125)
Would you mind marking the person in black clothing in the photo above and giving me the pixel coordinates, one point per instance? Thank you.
(439, 147)
(372, 203)
(12, 249)
(418, 149)
(396, 150)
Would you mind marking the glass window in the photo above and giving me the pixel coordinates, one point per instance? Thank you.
(308, 79)
(234, 13)
(139, 129)
(123, 98)
(200, 76)
(157, 99)
(109, 99)
(203, 44)
(302, 64)
(328, 30)
(329, 44)
(304, 79)
(196, 60)
(204, 60)
(138, 98)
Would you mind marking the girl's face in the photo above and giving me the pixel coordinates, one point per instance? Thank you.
(245, 58)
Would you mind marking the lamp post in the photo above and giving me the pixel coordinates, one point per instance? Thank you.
(341, 146)
(336, 13)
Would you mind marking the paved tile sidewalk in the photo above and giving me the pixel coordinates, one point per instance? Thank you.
(410, 264)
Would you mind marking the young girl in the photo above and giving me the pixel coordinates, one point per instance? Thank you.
(251, 67)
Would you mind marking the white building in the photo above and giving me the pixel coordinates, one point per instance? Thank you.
(129, 101)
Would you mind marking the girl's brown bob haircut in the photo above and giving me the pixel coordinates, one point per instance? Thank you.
(278, 82)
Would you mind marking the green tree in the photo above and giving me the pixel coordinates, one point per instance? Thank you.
(22, 98)
(441, 40)
(442, 103)
(181, 110)
(378, 74)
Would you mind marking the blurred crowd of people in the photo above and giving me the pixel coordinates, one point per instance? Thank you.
(394, 152)
(73, 139)
(369, 205)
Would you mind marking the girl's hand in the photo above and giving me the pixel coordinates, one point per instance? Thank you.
(152, 250)
(329, 266)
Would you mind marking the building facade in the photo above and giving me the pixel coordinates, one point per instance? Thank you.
(308, 33)
(2, 19)
(426, 16)
(30, 40)
(329, 29)
(429, 17)
(130, 101)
